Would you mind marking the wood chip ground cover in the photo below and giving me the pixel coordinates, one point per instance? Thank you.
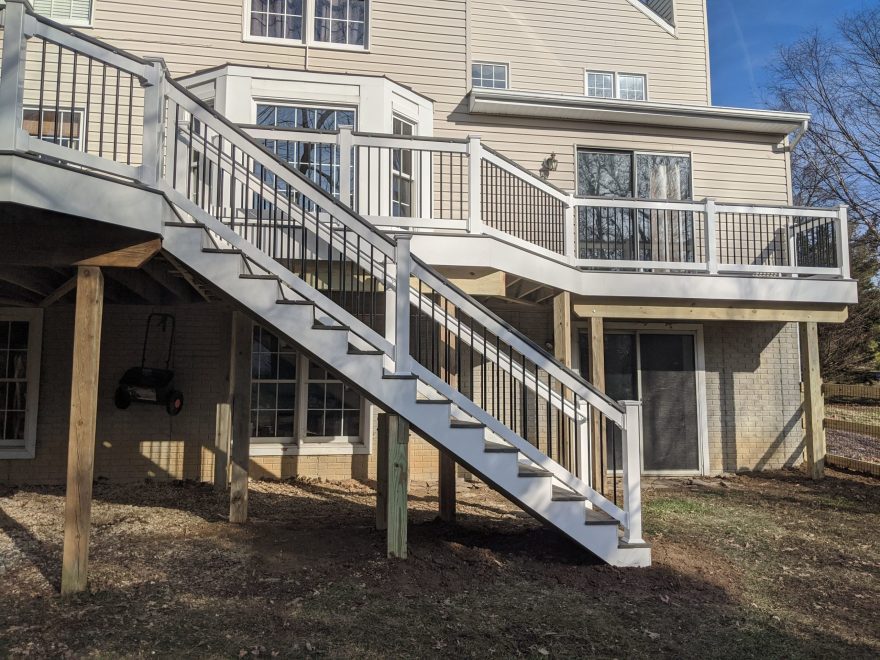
(754, 566)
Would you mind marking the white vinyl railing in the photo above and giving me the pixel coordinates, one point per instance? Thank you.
(430, 185)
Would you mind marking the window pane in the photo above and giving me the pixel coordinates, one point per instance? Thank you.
(604, 174)
(341, 22)
(13, 379)
(632, 88)
(489, 76)
(663, 177)
(600, 85)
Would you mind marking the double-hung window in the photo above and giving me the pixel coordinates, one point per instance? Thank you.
(610, 85)
(402, 172)
(69, 12)
(611, 233)
(341, 23)
(20, 339)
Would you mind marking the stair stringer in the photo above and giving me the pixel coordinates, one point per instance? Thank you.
(259, 297)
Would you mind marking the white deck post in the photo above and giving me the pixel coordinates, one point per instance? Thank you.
(585, 449)
(14, 62)
(345, 143)
(154, 125)
(711, 237)
(843, 241)
(570, 228)
(632, 472)
(475, 185)
(403, 268)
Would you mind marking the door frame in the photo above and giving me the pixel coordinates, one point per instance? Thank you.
(696, 331)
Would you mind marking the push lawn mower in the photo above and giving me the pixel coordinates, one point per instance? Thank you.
(148, 384)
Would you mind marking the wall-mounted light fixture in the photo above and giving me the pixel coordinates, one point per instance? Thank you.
(550, 164)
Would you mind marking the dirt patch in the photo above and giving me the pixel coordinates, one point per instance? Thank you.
(764, 566)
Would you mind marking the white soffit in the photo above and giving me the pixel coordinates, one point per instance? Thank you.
(507, 103)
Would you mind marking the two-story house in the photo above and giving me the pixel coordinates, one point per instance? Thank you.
(493, 220)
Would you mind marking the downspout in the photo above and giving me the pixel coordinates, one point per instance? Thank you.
(799, 135)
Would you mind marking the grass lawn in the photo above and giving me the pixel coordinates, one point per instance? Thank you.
(763, 566)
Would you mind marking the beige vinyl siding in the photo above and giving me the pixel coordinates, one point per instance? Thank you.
(549, 45)
(424, 46)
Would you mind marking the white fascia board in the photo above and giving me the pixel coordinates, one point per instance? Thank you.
(579, 108)
(488, 252)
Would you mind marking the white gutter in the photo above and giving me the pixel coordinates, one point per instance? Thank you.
(580, 108)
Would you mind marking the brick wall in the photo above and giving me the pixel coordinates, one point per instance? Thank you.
(753, 392)
(143, 441)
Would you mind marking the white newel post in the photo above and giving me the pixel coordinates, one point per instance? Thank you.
(570, 229)
(585, 449)
(843, 241)
(154, 125)
(400, 325)
(632, 472)
(475, 186)
(345, 142)
(711, 236)
(14, 62)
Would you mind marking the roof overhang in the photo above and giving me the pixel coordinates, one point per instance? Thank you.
(507, 103)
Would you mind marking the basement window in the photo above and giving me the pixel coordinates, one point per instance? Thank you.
(20, 347)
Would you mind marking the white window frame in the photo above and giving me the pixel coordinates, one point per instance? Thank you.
(308, 39)
(14, 449)
(303, 445)
(504, 65)
(87, 23)
(408, 177)
(633, 154)
(616, 83)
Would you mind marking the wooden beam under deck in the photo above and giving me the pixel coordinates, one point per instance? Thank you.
(814, 403)
(710, 311)
(132, 256)
(240, 398)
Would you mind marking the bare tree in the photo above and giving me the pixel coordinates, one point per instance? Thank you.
(837, 80)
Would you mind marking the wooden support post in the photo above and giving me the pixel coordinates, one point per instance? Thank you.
(597, 378)
(222, 444)
(398, 482)
(447, 487)
(83, 422)
(562, 344)
(240, 399)
(382, 473)
(814, 404)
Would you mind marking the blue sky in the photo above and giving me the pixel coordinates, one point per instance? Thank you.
(745, 34)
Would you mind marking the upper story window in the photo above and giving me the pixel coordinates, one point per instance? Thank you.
(625, 86)
(277, 19)
(70, 12)
(489, 76)
(341, 22)
(333, 22)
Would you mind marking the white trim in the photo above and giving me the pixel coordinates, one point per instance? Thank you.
(34, 317)
(654, 16)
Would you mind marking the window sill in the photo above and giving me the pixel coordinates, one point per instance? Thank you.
(293, 43)
(330, 448)
(16, 453)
